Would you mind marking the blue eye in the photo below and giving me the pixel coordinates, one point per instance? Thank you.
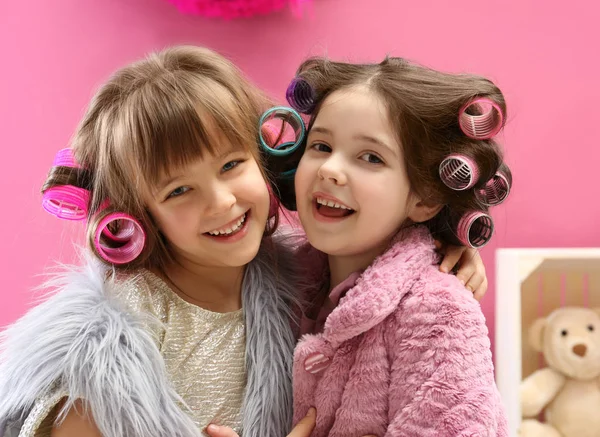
(178, 192)
(371, 158)
(230, 165)
(320, 147)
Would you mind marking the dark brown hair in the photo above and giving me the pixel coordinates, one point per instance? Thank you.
(423, 107)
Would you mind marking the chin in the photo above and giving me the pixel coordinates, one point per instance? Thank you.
(239, 258)
(247, 253)
(327, 246)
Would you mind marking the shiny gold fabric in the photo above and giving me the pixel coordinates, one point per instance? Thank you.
(204, 353)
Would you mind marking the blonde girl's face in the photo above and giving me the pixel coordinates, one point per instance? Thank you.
(213, 211)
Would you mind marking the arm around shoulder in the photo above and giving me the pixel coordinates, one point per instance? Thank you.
(442, 380)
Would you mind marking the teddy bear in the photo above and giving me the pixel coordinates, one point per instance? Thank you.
(568, 390)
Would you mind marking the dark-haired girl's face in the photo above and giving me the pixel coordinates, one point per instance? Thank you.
(352, 188)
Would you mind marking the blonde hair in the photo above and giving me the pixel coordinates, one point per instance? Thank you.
(153, 116)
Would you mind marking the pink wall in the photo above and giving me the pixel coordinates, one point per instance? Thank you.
(539, 52)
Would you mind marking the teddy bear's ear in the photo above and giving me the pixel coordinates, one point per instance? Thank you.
(536, 334)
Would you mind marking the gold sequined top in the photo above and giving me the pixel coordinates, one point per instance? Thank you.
(204, 351)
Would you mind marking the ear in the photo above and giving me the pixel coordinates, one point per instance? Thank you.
(420, 211)
(536, 334)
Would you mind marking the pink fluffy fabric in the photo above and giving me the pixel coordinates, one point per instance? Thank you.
(409, 355)
(229, 9)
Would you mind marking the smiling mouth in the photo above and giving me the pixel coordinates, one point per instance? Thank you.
(230, 229)
(329, 208)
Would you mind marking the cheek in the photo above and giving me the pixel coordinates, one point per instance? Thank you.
(253, 187)
(304, 175)
(165, 226)
(176, 221)
(157, 217)
(375, 189)
(384, 199)
(261, 193)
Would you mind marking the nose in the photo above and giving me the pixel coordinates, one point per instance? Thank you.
(332, 170)
(220, 200)
(580, 350)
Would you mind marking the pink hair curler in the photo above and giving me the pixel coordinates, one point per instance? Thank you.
(126, 231)
(65, 158)
(480, 119)
(475, 229)
(495, 191)
(459, 172)
(66, 201)
(130, 236)
(301, 95)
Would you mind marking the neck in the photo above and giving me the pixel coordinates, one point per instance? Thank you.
(342, 266)
(217, 289)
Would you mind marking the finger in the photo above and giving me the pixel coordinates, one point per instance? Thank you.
(475, 281)
(464, 275)
(481, 290)
(471, 268)
(474, 272)
(220, 431)
(305, 427)
(453, 255)
(438, 244)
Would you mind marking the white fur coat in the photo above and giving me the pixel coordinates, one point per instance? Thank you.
(82, 342)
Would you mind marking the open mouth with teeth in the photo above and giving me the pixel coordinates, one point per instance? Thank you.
(230, 229)
(329, 208)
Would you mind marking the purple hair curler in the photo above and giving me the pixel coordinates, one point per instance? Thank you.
(301, 95)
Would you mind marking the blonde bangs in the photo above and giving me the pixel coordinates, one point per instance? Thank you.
(169, 123)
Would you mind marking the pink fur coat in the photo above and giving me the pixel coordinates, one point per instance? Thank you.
(405, 353)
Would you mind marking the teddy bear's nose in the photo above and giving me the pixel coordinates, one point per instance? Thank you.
(580, 349)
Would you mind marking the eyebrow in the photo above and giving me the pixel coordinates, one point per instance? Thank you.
(165, 183)
(228, 151)
(376, 141)
(361, 137)
(321, 130)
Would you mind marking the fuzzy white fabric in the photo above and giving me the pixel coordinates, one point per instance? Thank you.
(83, 340)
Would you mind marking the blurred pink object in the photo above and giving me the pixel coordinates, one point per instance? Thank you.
(237, 8)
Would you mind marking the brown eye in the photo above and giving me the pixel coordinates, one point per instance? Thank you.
(371, 158)
(320, 147)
